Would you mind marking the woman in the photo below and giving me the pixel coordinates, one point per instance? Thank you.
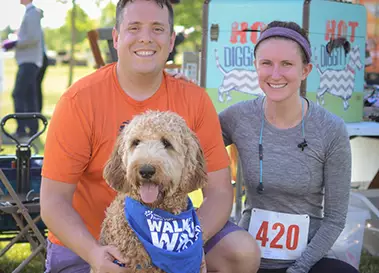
(296, 160)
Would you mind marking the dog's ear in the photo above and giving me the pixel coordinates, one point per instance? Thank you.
(195, 174)
(115, 171)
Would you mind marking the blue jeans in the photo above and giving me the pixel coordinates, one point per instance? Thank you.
(25, 97)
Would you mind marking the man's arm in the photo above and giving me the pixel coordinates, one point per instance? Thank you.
(337, 177)
(218, 202)
(67, 222)
(67, 152)
(70, 229)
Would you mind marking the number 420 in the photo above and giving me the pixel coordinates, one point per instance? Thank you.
(292, 235)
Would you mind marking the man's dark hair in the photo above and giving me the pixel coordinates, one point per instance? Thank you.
(122, 3)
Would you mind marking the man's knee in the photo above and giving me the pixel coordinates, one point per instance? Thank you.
(235, 252)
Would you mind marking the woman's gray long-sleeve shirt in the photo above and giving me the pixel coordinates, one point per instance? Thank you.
(315, 181)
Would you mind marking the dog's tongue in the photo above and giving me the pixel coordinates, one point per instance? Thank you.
(149, 192)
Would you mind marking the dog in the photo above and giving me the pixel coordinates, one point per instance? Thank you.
(157, 160)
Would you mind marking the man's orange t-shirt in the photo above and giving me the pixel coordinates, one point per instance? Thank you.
(87, 120)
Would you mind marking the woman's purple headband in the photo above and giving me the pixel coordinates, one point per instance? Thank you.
(287, 33)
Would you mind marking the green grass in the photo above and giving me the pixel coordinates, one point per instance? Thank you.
(54, 85)
(16, 255)
(369, 264)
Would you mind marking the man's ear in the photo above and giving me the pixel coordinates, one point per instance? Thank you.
(115, 38)
(115, 170)
(172, 41)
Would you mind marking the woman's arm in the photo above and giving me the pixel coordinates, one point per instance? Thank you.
(337, 180)
(228, 119)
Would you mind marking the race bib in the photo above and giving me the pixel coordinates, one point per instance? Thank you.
(280, 236)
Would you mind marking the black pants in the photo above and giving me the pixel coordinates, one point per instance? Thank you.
(25, 97)
(325, 265)
(40, 77)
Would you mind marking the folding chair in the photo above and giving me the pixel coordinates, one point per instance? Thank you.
(17, 188)
(101, 34)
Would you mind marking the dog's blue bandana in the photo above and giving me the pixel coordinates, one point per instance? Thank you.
(173, 242)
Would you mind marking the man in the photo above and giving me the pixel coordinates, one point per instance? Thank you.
(28, 54)
(83, 131)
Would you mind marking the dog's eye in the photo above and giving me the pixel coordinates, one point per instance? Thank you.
(166, 143)
(135, 142)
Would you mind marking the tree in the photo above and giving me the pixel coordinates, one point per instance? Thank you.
(82, 24)
(108, 15)
(55, 40)
(189, 13)
(77, 24)
(4, 34)
(73, 36)
(77, 29)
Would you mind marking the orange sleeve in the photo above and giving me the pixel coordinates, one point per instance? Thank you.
(208, 130)
(68, 148)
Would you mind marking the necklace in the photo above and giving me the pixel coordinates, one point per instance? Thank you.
(301, 145)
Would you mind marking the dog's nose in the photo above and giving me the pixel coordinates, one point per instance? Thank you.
(147, 171)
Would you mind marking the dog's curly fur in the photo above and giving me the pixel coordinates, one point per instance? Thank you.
(161, 140)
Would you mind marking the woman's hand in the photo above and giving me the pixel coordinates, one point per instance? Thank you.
(182, 77)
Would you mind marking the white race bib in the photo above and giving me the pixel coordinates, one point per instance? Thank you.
(280, 236)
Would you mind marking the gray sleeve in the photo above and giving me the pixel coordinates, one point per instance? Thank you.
(30, 30)
(337, 181)
(228, 119)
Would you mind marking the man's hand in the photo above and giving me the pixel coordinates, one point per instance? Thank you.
(183, 77)
(102, 257)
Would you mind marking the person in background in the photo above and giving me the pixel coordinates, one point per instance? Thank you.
(28, 54)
